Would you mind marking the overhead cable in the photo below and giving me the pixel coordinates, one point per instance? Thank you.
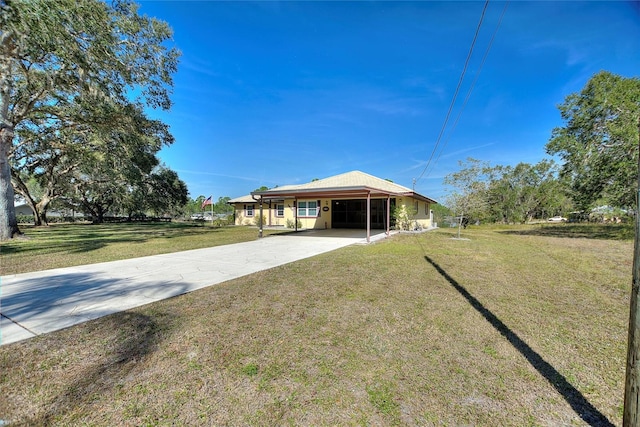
(466, 99)
(455, 95)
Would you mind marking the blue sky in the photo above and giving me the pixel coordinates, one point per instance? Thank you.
(276, 93)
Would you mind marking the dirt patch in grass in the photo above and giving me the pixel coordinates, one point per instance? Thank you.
(421, 329)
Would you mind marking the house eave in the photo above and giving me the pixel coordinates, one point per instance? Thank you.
(336, 192)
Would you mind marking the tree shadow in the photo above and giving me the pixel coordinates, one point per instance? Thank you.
(135, 336)
(581, 406)
(82, 238)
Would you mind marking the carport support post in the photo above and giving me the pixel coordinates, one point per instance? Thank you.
(388, 214)
(368, 217)
(261, 219)
(631, 416)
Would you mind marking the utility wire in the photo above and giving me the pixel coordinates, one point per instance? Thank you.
(466, 99)
(453, 101)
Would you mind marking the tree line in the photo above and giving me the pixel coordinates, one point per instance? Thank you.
(507, 194)
(77, 78)
(598, 151)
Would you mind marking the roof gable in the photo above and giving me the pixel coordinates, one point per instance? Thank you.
(349, 181)
(242, 199)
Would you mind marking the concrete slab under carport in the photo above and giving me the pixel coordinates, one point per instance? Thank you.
(44, 301)
(346, 233)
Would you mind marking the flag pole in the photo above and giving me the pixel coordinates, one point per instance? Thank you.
(212, 210)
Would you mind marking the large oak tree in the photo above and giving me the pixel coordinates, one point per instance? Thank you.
(599, 141)
(57, 56)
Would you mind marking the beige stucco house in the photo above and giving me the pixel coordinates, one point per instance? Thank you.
(350, 200)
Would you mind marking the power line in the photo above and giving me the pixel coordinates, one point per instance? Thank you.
(466, 99)
(455, 95)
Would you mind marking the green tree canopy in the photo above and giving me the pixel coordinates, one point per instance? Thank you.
(525, 192)
(469, 196)
(57, 159)
(61, 63)
(507, 194)
(599, 141)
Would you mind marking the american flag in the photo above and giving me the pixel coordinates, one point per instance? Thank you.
(207, 202)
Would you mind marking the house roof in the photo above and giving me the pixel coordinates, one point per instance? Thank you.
(350, 184)
(242, 199)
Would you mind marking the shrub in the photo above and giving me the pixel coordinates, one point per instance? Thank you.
(260, 220)
(290, 223)
(222, 222)
(25, 219)
(404, 217)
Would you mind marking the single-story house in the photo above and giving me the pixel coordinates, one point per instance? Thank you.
(22, 209)
(350, 200)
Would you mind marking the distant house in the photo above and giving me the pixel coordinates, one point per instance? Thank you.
(23, 209)
(350, 200)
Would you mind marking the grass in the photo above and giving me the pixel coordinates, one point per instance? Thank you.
(516, 326)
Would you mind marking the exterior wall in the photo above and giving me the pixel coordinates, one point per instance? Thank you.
(320, 221)
(240, 215)
(423, 210)
(323, 218)
(272, 218)
(23, 210)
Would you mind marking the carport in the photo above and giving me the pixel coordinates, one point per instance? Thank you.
(352, 213)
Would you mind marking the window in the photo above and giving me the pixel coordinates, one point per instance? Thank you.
(279, 210)
(249, 209)
(308, 208)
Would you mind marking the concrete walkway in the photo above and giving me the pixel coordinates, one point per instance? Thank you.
(39, 302)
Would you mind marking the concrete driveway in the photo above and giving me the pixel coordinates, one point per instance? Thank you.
(39, 302)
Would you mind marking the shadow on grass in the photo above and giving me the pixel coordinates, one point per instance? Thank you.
(81, 238)
(588, 231)
(587, 412)
(134, 336)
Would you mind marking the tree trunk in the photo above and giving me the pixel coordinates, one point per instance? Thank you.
(41, 216)
(98, 217)
(41, 210)
(38, 209)
(8, 220)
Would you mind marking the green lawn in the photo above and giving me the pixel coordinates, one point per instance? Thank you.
(517, 326)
